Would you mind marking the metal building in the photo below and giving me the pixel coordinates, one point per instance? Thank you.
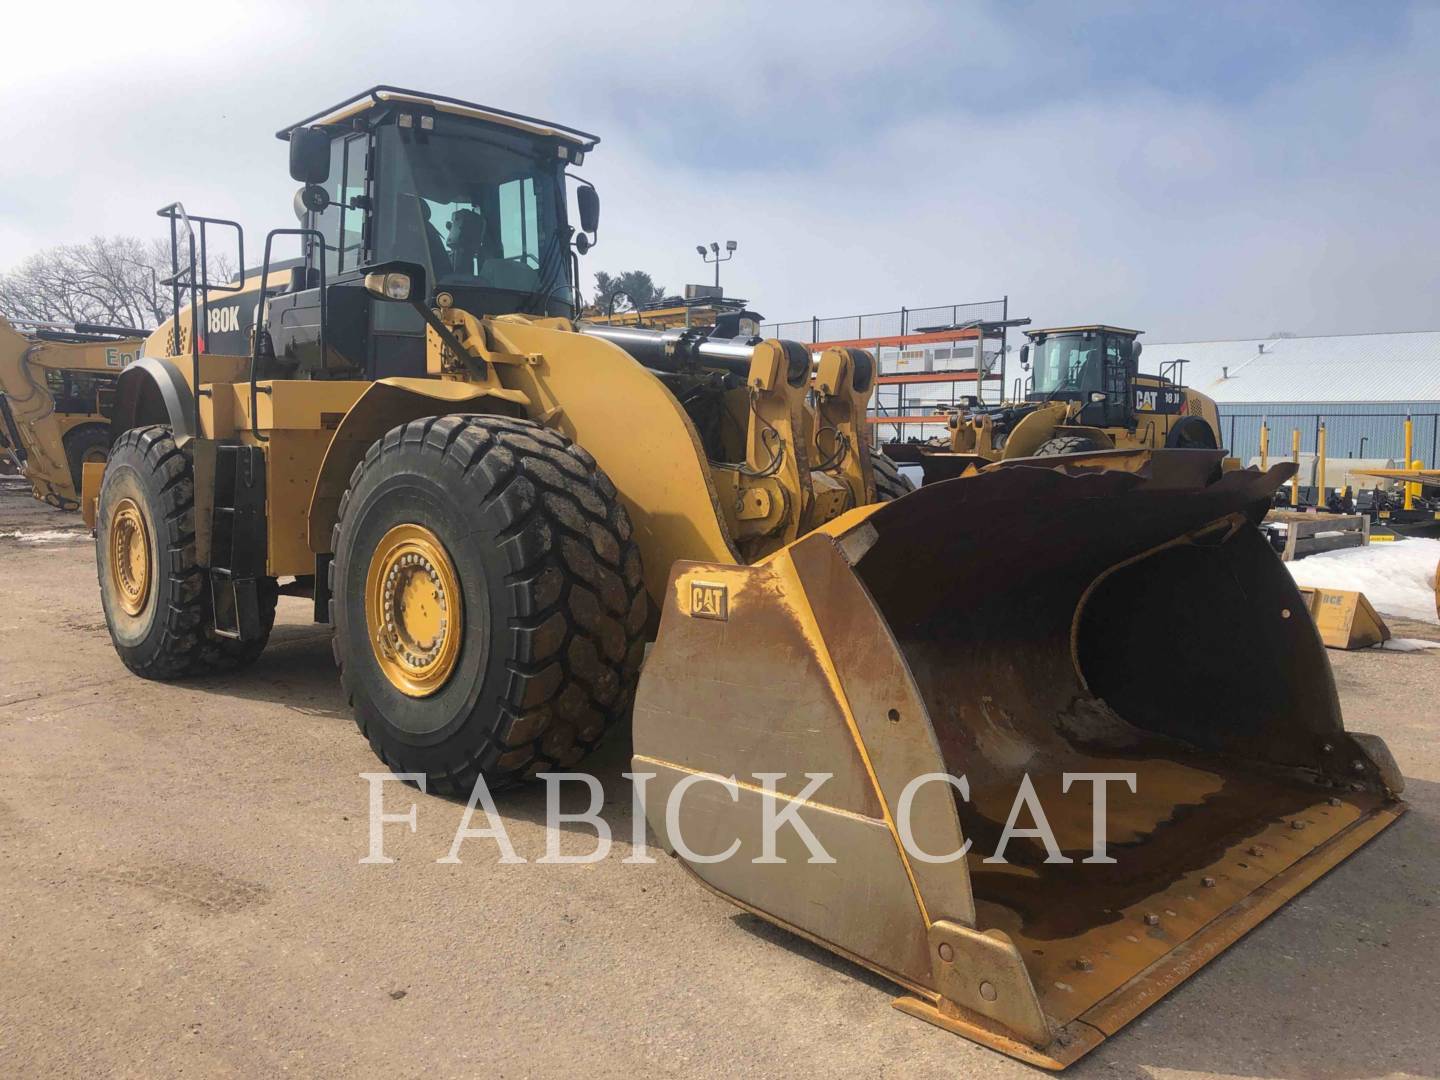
(1361, 387)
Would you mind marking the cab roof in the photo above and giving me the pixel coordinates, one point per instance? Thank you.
(1090, 326)
(377, 96)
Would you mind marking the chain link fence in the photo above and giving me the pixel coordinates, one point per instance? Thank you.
(882, 324)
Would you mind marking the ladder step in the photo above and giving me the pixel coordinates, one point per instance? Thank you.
(236, 606)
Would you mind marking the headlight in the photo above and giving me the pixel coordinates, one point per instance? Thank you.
(390, 284)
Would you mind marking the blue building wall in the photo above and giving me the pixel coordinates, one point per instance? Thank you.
(1379, 425)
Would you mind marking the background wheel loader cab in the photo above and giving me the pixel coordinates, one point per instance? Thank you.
(1085, 394)
(1097, 369)
(1092, 367)
(491, 503)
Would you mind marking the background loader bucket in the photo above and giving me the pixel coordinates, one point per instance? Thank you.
(1012, 628)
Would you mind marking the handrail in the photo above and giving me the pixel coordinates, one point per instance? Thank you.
(1174, 370)
(197, 283)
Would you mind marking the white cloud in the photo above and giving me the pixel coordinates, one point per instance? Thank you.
(863, 157)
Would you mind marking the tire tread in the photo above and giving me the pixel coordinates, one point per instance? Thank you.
(890, 482)
(570, 679)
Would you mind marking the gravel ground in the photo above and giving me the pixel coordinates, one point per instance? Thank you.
(181, 893)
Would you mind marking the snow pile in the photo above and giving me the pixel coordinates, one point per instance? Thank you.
(1397, 578)
(44, 536)
(1409, 644)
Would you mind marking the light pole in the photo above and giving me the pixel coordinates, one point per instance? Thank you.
(714, 256)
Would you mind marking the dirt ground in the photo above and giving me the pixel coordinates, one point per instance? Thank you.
(181, 894)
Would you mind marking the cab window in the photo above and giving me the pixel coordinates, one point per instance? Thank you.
(1117, 351)
(518, 232)
(340, 223)
(352, 218)
(1068, 364)
(327, 222)
(477, 208)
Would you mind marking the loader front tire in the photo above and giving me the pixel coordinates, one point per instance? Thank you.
(890, 482)
(487, 600)
(155, 596)
(1060, 445)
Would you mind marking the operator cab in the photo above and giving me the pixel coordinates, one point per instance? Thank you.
(474, 195)
(1095, 365)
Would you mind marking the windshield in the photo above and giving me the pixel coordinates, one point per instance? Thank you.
(476, 209)
(1067, 364)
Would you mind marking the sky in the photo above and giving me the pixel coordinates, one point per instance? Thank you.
(1199, 171)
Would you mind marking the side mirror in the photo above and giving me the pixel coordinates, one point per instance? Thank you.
(588, 200)
(403, 281)
(1135, 351)
(310, 155)
(1025, 356)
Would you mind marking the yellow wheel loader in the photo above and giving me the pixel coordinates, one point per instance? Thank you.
(57, 383)
(492, 502)
(1085, 394)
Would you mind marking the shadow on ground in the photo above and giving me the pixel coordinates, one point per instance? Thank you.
(296, 671)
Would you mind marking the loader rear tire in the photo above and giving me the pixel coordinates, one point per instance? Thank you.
(487, 600)
(890, 482)
(1069, 444)
(150, 588)
(85, 444)
(155, 596)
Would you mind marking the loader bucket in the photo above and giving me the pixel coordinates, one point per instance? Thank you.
(1013, 628)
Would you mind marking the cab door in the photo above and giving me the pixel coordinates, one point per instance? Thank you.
(355, 345)
(1118, 383)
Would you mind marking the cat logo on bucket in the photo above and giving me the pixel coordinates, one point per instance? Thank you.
(709, 601)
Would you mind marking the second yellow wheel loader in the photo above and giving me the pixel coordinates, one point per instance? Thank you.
(57, 383)
(1086, 394)
(491, 503)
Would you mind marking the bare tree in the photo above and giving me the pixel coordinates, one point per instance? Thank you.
(114, 280)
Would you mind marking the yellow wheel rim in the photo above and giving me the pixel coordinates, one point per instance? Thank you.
(130, 556)
(413, 610)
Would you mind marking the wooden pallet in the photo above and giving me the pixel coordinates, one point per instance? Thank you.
(1304, 529)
